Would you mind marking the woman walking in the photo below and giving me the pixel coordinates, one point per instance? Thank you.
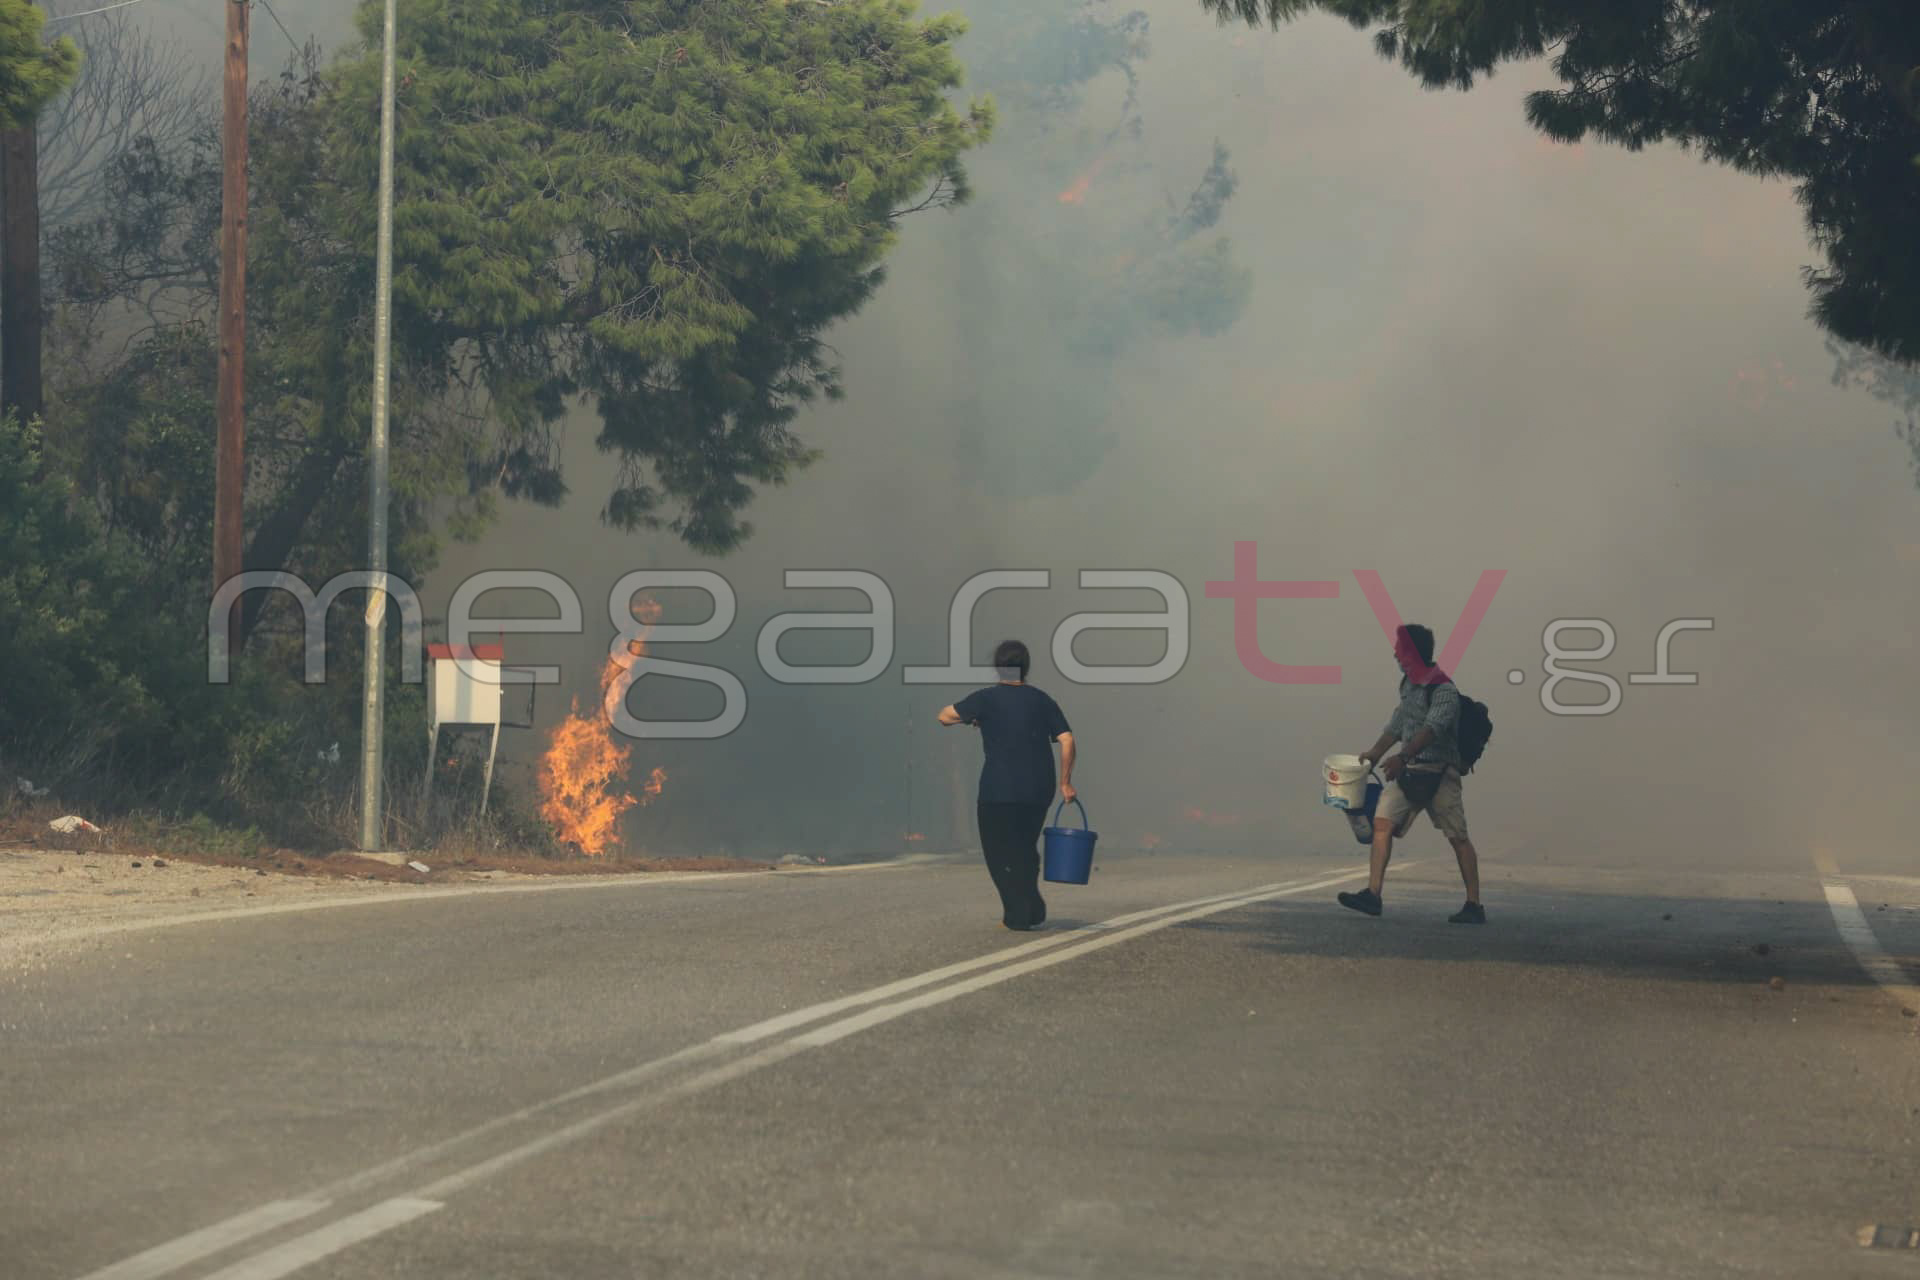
(1018, 723)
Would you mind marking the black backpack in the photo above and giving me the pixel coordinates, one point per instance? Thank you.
(1476, 727)
(1473, 731)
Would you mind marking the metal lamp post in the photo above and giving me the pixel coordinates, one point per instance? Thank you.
(373, 712)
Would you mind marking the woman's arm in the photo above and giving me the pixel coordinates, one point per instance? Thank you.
(950, 717)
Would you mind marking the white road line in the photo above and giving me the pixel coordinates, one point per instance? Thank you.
(464, 1178)
(208, 1241)
(420, 1155)
(753, 1034)
(1003, 965)
(826, 1035)
(285, 1259)
(1858, 935)
(800, 1017)
(886, 1013)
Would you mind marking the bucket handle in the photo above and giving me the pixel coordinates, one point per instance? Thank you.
(1076, 804)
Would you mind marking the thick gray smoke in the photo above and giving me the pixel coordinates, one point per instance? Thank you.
(1462, 349)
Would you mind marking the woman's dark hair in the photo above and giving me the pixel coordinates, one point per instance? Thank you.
(1422, 641)
(1012, 654)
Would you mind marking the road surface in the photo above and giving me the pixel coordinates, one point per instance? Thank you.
(1203, 1068)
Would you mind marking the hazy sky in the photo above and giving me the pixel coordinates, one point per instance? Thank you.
(1466, 349)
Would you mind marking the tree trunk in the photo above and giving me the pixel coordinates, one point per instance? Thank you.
(277, 535)
(20, 317)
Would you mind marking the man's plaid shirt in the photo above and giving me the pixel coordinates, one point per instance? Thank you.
(1435, 706)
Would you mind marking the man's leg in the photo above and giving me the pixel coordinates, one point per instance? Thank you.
(1026, 863)
(1450, 815)
(1469, 867)
(1392, 811)
(1382, 854)
(995, 838)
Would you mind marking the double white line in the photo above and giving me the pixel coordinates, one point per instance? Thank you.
(879, 1005)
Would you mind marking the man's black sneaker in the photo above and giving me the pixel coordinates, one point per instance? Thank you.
(1366, 900)
(1472, 913)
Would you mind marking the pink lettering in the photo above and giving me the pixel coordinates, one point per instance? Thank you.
(1457, 640)
(1246, 591)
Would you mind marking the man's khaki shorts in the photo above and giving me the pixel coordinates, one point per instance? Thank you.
(1448, 810)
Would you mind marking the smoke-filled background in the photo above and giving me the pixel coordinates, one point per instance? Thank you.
(1377, 328)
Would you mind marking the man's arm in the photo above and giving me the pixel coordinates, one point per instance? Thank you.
(1066, 766)
(965, 711)
(1373, 754)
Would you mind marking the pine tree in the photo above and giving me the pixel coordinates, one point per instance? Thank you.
(1824, 93)
(657, 208)
(31, 72)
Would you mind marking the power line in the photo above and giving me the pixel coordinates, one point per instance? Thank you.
(276, 22)
(54, 22)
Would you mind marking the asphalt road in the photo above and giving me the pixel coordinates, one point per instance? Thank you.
(859, 1073)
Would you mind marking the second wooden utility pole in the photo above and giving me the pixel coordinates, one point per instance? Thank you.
(20, 272)
(230, 463)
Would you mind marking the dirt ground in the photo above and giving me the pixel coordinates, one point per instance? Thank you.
(62, 892)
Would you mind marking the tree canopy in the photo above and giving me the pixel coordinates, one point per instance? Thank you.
(31, 72)
(1822, 93)
(655, 207)
(646, 210)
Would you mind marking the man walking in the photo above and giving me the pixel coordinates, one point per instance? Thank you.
(1425, 776)
(1018, 726)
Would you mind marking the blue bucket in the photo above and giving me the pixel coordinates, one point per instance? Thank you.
(1361, 819)
(1069, 850)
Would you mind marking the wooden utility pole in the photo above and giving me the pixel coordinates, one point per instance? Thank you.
(230, 464)
(20, 272)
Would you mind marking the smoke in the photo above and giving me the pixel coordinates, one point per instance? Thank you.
(1432, 345)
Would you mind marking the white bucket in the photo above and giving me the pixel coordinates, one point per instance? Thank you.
(1346, 781)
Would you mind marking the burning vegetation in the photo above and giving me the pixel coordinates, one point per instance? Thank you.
(584, 789)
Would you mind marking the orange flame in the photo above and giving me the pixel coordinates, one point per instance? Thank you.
(583, 773)
(1077, 193)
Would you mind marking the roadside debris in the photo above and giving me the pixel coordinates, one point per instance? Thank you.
(800, 860)
(421, 867)
(30, 791)
(1876, 1236)
(1778, 984)
(72, 823)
